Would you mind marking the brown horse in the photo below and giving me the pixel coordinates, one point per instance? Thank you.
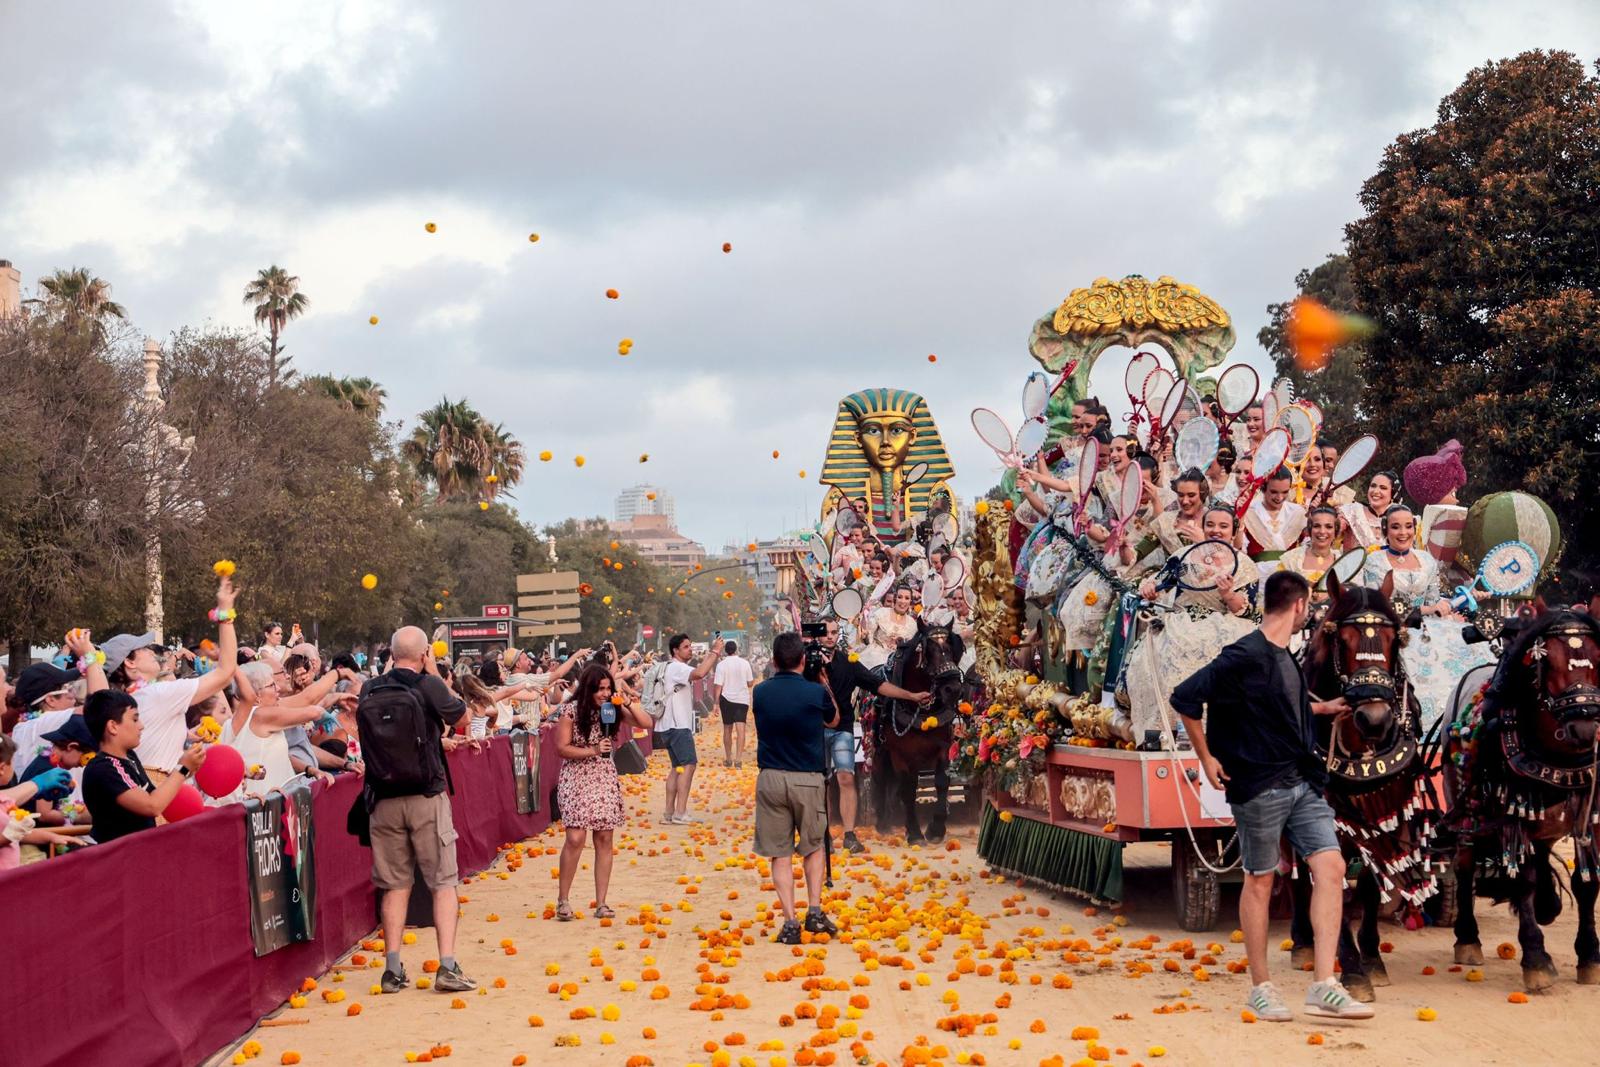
(1376, 779)
(1523, 773)
(907, 744)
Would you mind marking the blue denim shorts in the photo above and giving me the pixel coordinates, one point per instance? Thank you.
(1299, 811)
(680, 746)
(842, 747)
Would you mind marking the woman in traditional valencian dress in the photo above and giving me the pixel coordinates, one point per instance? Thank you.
(1435, 656)
(887, 627)
(1083, 607)
(1363, 521)
(1179, 642)
(1312, 558)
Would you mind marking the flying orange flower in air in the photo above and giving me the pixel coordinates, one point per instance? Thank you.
(1314, 330)
(612, 294)
(727, 247)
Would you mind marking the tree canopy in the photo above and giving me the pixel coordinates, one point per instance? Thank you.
(1476, 257)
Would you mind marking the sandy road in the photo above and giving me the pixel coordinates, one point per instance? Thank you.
(921, 930)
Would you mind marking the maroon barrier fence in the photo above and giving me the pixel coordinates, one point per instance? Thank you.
(139, 952)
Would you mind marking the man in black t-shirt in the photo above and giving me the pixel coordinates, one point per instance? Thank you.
(791, 714)
(1256, 744)
(844, 676)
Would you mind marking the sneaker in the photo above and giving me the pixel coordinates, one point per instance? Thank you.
(690, 817)
(852, 843)
(451, 980)
(1330, 1000)
(790, 934)
(1268, 1005)
(393, 981)
(817, 922)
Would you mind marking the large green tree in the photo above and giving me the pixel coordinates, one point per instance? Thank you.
(1340, 388)
(1476, 256)
(73, 476)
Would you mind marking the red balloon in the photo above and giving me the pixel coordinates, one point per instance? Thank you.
(188, 802)
(222, 771)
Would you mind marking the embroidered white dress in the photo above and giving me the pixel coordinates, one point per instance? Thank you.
(1177, 643)
(885, 631)
(1435, 657)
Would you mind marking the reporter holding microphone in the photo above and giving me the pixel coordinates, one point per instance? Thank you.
(588, 792)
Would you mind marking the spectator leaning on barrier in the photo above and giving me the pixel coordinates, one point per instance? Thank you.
(401, 720)
(121, 798)
(133, 664)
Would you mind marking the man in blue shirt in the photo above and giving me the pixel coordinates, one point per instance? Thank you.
(791, 792)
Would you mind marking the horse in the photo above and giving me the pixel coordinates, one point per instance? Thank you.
(907, 744)
(1376, 778)
(1523, 775)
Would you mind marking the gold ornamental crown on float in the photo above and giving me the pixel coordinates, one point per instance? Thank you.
(1194, 329)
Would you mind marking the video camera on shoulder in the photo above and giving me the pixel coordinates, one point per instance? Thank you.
(816, 659)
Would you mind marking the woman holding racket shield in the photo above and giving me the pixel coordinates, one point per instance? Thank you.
(1205, 599)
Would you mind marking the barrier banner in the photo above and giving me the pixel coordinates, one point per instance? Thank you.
(280, 861)
(525, 772)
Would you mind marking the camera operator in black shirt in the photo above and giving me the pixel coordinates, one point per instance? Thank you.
(843, 676)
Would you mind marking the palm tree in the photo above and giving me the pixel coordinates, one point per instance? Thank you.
(361, 395)
(506, 460)
(449, 448)
(77, 296)
(457, 450)
(277, 297)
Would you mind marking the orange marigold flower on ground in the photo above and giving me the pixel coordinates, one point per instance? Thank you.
(1506, 951)
(1518, 997)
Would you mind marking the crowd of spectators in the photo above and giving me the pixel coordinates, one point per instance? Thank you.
(98, 742)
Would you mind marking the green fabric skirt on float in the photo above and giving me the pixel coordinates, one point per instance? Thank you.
(1054, 856)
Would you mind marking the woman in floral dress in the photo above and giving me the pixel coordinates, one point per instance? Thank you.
(587, 790)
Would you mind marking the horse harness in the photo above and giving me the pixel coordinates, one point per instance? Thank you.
(1370, 682)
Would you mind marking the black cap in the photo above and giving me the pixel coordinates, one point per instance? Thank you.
(39, 679)
(73, 730)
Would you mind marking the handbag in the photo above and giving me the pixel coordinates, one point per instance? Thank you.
(628, 758)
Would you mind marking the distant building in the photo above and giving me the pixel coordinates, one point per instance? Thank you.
(10, 289)
(640, 500)
(654, 538)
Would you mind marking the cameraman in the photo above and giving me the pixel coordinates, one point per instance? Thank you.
(791, 713)
(844, 676)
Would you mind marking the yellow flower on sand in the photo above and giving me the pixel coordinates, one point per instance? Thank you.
(1427, 1015)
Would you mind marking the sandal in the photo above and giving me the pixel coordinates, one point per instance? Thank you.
(603, 911)
(564, 911)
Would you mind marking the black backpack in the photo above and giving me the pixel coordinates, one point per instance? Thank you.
(400, 742)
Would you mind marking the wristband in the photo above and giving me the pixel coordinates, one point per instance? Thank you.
(94, 657)
(222, 614)
(184, 772)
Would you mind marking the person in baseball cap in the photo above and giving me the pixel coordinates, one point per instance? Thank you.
(48, 686)
(120, 647)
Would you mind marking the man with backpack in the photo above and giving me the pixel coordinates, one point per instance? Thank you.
(401, 721)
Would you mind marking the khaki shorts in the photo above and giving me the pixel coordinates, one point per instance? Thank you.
(790, 803)
(411, 835)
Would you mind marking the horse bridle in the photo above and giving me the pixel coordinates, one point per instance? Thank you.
(1576, 702)
(1374, 682)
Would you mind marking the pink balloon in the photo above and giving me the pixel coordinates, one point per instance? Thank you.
(222, 771)
(188, 802)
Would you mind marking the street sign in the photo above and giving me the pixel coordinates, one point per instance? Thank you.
(551, 602)
(647, 632)
(497, 611)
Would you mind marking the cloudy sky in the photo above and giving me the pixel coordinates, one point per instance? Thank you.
(896, 179)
